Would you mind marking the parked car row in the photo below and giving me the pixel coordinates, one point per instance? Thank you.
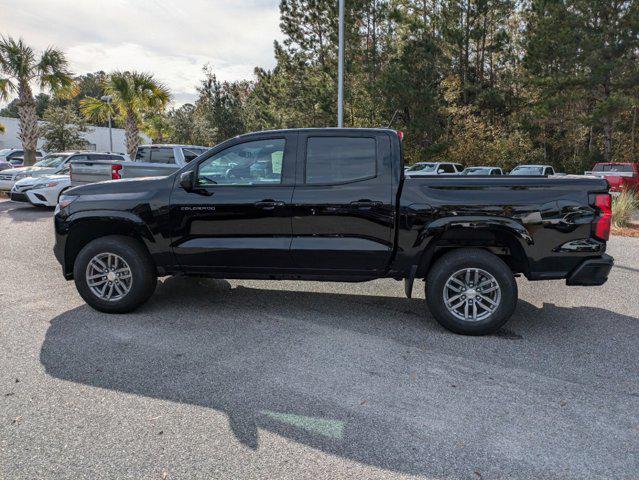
(444, 168)
(42, 183)
(150, 161)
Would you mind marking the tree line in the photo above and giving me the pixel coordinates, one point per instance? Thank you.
(496, 82)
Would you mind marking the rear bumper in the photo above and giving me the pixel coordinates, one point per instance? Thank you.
(591, 272)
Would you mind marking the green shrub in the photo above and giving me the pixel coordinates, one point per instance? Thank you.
(623, 208)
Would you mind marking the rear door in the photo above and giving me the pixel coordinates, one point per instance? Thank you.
(239, 219)
(342, 203)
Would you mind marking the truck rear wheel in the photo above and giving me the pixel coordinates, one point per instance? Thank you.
(114, 274)
(471, 291)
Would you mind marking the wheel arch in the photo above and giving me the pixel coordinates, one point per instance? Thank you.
(499, 238)
(84, 230)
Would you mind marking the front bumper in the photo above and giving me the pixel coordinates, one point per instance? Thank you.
(44, 197)
(18, 197)
(591, 272)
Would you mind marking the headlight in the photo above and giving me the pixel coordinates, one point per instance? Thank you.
(45, 185)
(66, 200)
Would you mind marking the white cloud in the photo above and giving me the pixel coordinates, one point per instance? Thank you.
(172, 39)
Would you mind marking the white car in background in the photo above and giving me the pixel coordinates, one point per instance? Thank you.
(41, 191)
(433, 168)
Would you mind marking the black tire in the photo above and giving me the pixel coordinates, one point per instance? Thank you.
(143, 273)
(460, 259)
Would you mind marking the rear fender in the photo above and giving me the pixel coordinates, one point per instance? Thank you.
(471, 231)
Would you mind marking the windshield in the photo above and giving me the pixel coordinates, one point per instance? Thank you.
(422, 167)
(528, 171)
(51, 161)
(476, 171)
(611, 167)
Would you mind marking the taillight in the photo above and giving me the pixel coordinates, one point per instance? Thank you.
(115, 172)
(603, 202)
(400, 135)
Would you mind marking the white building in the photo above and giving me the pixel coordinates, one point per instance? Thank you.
(98, 137)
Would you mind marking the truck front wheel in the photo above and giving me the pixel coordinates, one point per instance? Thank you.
(471, 291)
(114, 274)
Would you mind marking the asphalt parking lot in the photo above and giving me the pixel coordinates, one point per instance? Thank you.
(248, 379)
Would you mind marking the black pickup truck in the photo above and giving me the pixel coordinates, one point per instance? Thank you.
(333, 204)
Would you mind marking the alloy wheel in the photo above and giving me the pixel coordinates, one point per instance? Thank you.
(109, 277)
(472, 294)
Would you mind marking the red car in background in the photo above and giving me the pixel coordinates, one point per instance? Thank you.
(620, 176)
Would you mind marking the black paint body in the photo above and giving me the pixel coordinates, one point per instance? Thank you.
(384, 226)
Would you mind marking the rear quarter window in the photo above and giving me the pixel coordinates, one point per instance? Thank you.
(331, 160)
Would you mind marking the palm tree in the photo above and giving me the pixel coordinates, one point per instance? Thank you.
(132, 94)
(157, 126)
(19, 69)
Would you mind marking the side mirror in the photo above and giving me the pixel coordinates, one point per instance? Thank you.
(187, 180)
(441, 170)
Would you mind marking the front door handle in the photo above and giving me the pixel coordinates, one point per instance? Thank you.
(268, 204)
(366, 204)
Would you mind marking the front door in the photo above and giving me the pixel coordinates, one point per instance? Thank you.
(239, 216)
(343, 203)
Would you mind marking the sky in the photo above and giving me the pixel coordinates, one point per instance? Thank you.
(171, 39)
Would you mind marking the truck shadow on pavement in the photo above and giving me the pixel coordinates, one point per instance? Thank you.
(369, 378)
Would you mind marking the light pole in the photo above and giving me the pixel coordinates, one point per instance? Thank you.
(107, 99)
(340, 68)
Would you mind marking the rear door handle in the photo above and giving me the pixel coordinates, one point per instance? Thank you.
(366, 204)
(268, 204)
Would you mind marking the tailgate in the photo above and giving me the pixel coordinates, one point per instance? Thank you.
(617, 180)
(147, 169)
(83, 172)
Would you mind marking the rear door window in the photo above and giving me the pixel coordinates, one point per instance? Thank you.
(155, 155)
(331, 160)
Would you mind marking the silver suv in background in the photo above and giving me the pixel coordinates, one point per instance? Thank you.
(150, 161)
(14, 157)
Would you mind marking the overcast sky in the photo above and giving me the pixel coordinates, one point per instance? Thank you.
(172, 39)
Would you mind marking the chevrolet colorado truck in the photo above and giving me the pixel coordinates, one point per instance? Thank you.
(334, 205)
